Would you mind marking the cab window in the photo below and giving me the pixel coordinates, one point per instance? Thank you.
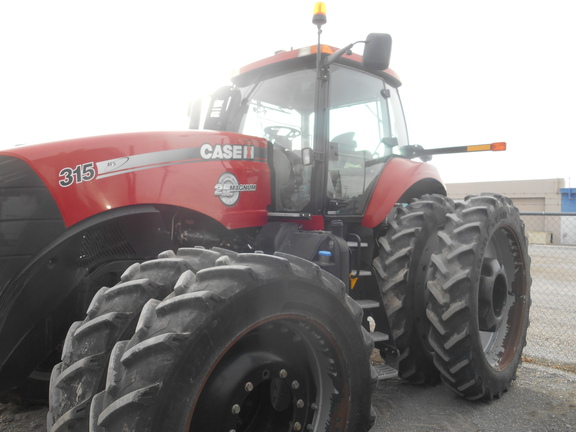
(281, 109)
(363, 128)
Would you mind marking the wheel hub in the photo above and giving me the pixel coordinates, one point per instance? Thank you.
(492, 295)
(263, 383)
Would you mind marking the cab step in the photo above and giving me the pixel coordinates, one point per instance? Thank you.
(354, 244)
(379, 336)
(361, 273)
(368, 304)
(385, 371)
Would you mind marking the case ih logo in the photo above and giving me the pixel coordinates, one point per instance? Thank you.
(226, 151)
(229, 190)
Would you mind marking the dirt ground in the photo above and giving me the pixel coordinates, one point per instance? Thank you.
(541, 399)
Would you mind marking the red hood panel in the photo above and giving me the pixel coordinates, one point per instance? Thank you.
(223, 175)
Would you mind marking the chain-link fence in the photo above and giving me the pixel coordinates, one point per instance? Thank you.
(552, 332)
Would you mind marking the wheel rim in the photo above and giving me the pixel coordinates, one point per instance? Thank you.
(281, 375)
(501, 298)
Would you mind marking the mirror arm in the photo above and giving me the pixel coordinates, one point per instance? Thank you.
(337, 54)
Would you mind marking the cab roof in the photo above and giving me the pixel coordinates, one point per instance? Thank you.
(304, 56)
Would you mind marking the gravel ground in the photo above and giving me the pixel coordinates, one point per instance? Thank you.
(541, 399)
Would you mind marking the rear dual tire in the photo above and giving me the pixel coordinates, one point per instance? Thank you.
(479, 297)
(402, 270)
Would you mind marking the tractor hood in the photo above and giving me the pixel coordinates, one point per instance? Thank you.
(223, 175)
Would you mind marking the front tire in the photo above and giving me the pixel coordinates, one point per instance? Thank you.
(480, 297)
(265, 344)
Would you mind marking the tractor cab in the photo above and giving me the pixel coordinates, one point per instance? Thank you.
(330, 119)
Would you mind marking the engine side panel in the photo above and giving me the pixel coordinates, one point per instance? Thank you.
(222, 175)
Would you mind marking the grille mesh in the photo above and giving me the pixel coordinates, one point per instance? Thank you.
(103, 243)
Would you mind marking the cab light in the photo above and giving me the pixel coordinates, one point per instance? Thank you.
(498, 146)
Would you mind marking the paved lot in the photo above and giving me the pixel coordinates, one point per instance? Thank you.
(542, 399)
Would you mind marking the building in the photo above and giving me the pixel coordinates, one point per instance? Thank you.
(533, 196)
(567, 223)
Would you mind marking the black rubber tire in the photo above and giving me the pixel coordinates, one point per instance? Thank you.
(112, 316)
(480, 297)
(401, 271)
(260, 345)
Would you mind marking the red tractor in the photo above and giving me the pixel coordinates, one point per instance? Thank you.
(260, 260)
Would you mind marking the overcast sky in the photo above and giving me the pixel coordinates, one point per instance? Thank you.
(473, 72)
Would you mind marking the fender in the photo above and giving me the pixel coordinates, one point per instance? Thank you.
(401, 180)
(222, 175)
(37, 306)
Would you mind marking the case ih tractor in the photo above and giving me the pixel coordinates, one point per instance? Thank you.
(238, 277)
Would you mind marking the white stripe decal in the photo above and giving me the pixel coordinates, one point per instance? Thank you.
(143, 161)
(128, 164)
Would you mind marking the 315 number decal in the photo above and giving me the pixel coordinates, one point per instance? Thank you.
(82, 173)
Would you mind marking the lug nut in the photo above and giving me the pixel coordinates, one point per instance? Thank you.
(236, 409)
(297, 426)
(300, 403)
(295, 385)
(249, 387)
(283, 373)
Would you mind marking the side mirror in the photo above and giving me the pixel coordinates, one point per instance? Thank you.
(377, 51)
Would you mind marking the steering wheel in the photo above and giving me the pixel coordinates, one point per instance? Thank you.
(274, 132)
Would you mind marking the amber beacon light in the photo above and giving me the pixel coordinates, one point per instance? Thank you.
(319, 17)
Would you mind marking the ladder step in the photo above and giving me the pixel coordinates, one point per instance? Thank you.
(379, 336)
(361, 273)
(368, 304)
(354, 244)
(385, 371)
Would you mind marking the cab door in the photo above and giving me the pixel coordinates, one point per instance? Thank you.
(365, 125)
